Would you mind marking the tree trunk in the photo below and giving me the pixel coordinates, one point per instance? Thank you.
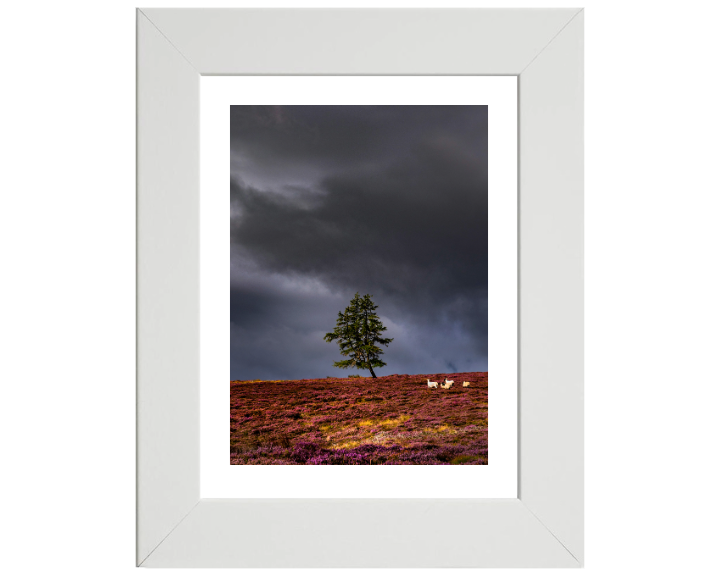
(373, 373)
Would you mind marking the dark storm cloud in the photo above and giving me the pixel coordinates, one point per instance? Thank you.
(327, 201)
(335, 135)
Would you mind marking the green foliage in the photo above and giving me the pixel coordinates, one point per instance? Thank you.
(358, 331)
(463, 459)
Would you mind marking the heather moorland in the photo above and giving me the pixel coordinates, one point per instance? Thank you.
(386, 420)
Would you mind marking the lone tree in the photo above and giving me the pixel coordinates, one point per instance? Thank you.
(358, 331)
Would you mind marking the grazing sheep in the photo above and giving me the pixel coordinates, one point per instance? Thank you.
(451, 382)
(447, 384)
(466, 384)
(431, 384)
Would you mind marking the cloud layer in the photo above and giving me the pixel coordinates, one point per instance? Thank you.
(327, 201)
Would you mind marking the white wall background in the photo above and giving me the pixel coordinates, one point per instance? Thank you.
(67, 288)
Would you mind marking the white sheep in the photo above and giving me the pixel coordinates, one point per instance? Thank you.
(447, 384)
(431, 384)
(466, 384)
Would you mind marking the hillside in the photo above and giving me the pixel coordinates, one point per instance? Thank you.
(388, 420)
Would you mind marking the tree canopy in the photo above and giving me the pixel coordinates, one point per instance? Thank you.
(358, 331)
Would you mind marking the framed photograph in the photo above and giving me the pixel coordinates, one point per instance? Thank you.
(366, 196)
(399, 194)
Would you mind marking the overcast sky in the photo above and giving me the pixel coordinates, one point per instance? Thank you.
(327, 201)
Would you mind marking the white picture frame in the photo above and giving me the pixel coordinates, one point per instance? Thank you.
(543, 527)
